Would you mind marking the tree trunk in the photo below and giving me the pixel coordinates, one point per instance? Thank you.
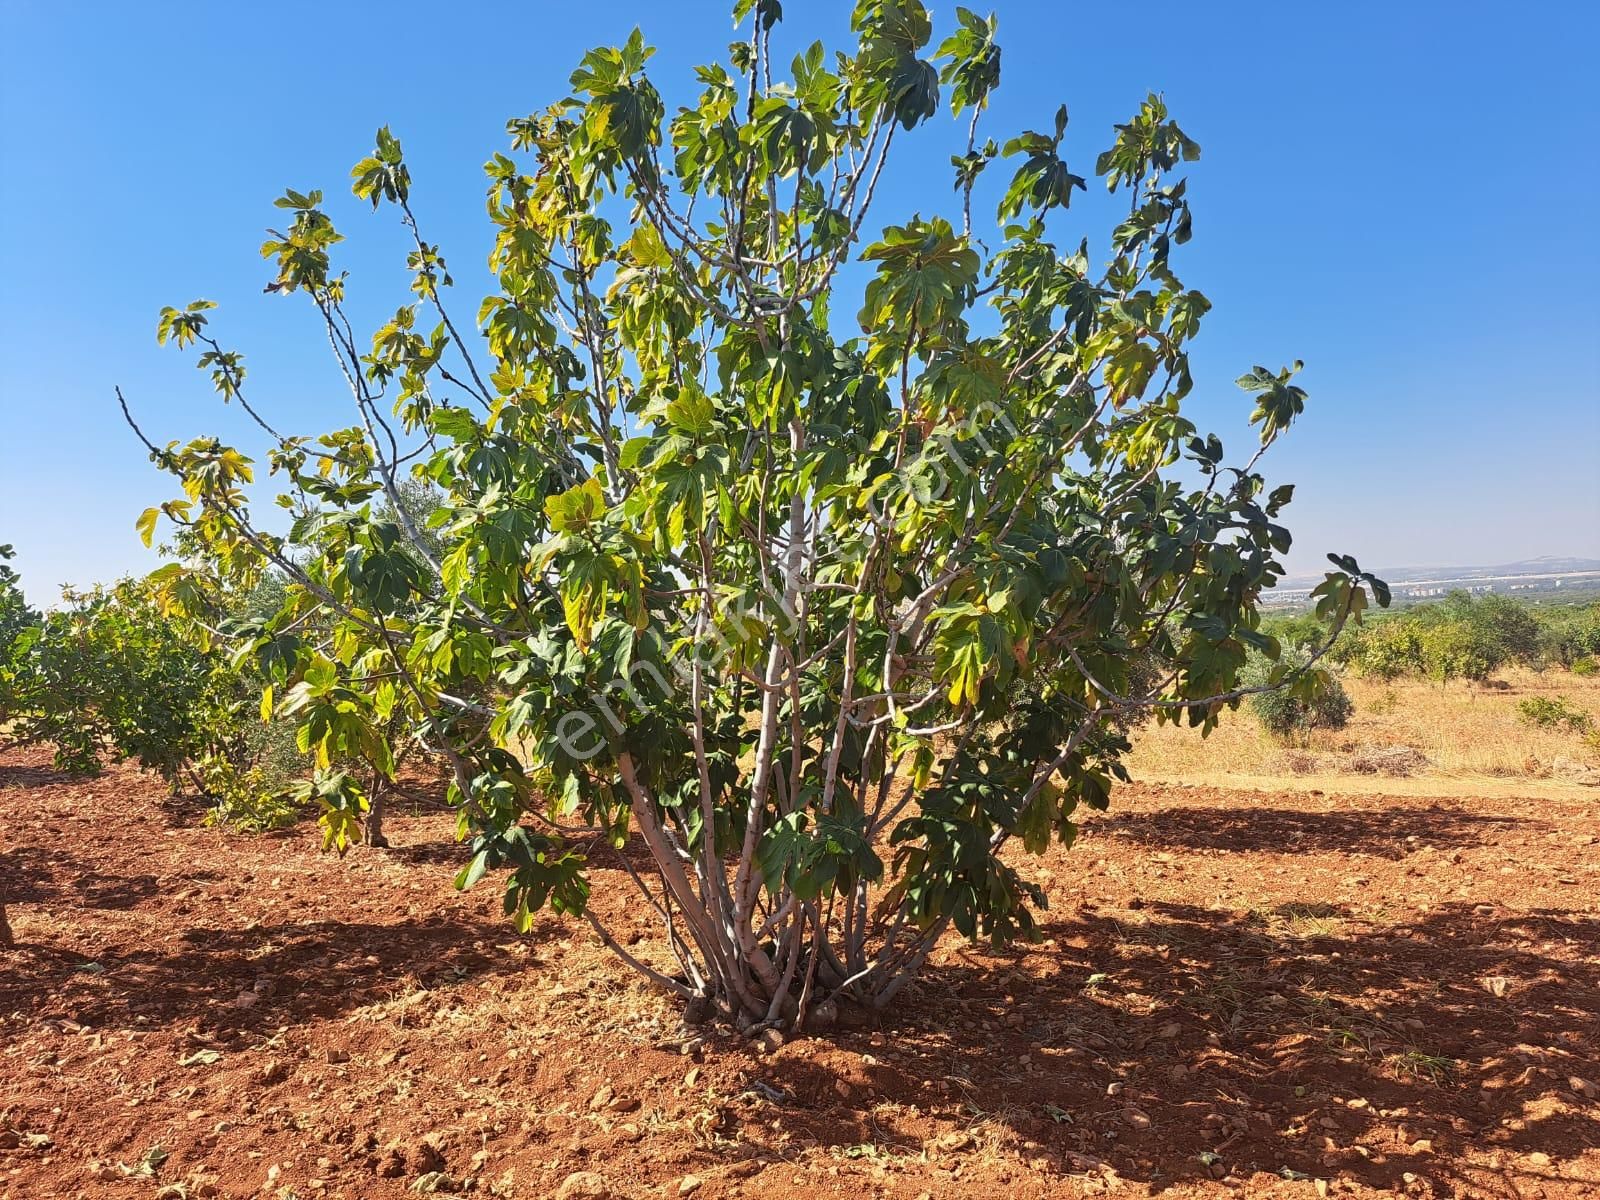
(372, 831)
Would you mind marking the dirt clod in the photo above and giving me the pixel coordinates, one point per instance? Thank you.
(583, 1185)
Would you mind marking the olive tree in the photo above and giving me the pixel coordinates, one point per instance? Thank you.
(826, 601)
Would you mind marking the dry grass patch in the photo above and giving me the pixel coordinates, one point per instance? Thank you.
(1462, 731)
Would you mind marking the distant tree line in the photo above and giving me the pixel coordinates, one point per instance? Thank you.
(1462, 637)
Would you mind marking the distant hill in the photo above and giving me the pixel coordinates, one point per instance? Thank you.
(1549, 578)
(1548, 565)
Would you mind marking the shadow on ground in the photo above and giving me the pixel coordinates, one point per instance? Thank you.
(1241, 1039)
(12, 776)
(61, 879)
(294, 972)
(1378, 832)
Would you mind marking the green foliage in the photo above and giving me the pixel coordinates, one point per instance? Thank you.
(827, 608)
(1504, 628)
(1467, 637)
(107, 674)
(341, 801)
(262, 795)
(1472, 637)
(1556, 712)
(17, 623)
(1458, 650)
(1387, 649)
(111, 675)
(1316, 700)
(1302, 629)
(1569, 635)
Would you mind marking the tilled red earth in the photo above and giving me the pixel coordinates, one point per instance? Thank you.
(1275, 994)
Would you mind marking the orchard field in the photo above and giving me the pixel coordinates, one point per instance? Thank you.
(775, 691)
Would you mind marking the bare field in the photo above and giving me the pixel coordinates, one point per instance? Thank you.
(1291, 994)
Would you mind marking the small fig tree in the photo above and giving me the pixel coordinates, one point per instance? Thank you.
(105, 675)
(825, 600)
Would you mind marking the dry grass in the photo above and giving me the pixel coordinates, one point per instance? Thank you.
(1469, 735)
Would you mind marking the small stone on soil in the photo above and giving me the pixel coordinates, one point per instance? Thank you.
(583, 1185)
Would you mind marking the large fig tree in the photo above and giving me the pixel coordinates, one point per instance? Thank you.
(825, 599)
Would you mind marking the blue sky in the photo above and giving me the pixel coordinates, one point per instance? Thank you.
(1403, 195)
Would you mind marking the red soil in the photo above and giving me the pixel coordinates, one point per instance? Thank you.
(1285, 995)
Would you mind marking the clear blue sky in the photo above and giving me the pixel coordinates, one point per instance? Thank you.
(1405, 195)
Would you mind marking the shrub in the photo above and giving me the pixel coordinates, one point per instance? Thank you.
(1471, 637)
(1453, 649)
(1569, 634)
(825, 597)
(1507, 626)
(1305, 629)
(1586, 666)
(1384, 704)
(1468, 637)
(1388, 760)
(1388, 649)
(106, 675)
(1554, 713)
(1318, 701)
